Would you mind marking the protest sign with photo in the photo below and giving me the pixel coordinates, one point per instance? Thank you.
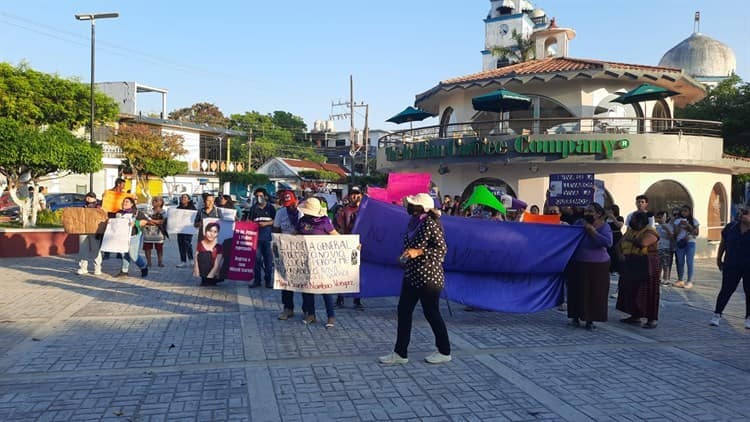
(226, 228)
(244, 246)
(571, 189)
(117, 235)
(181, 221)
(316, 264)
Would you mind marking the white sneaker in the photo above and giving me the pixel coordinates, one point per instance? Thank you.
(181, 265)
(192, 262)
(747, 323)
(438, 357)
(81, 271)
(715, 320)
(393, 358)
(97, 270)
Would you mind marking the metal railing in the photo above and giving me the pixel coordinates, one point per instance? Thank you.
(556, 125)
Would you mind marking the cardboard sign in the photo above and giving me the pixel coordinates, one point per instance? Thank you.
(84, 220)
(571, 189)
(316, 264)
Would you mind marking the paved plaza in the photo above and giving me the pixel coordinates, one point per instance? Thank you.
(131, 349)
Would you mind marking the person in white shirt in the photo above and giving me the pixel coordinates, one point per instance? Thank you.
(641, 203)
(286, 222)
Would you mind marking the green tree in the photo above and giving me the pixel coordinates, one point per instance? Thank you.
(149, 153)
(522, 51)
(35, 98)
(201, 113)
(270, 139)
(29, 151)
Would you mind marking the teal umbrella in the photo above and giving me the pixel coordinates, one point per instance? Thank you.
(644, 92)
(500, 101)
(410, 114)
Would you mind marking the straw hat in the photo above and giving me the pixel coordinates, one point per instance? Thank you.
(422, 199)
(312, 207)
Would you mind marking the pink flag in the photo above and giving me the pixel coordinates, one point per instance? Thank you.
(403, 184)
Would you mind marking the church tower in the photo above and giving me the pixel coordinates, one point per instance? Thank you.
(505, 17)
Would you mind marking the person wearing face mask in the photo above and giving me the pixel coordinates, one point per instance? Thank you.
(89, 244)
(639, 273)
(263, 214)
(588, 272)
(424, 279)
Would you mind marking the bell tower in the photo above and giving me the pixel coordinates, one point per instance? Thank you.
(504, 18)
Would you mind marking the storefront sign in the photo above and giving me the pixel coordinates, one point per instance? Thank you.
(566, 147)
(475, 147)
(571, 189)
(466, 147)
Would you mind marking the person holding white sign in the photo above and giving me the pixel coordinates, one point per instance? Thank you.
(184, 240)
(316, 222)
(137, 219)
(424, 279)
(285, 222)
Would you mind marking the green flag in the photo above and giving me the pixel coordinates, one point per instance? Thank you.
(483, 196)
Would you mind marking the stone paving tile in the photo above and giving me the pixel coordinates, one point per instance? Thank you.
(13, 333)
(637, 383)
(463, 390)
(138, 301)
(136, 343)
(729, 352)
(18, 304)
(212, 395)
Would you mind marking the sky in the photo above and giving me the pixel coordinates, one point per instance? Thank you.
(297, 56)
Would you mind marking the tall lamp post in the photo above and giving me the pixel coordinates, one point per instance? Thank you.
(93, 17)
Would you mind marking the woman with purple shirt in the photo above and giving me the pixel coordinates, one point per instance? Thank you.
(588, 272)
(316, 222)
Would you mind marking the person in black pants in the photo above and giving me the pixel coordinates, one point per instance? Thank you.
(185, 241)
(424, 279)
(263, 214)
(733, 263)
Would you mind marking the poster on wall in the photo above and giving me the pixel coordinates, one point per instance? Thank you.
(316, 264)
(571, 189)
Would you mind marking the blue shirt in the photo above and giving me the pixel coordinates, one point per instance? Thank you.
(737, 247)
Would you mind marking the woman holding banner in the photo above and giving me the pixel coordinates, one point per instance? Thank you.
(316, 221)
(424, 279)
(209, 255)
(588, 273)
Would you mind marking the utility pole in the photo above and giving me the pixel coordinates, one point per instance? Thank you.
(366, 136)
(354, 147)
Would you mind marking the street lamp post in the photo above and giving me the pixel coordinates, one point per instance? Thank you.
(93, 17)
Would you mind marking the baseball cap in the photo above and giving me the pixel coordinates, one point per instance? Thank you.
(355, 189)
(287, 198)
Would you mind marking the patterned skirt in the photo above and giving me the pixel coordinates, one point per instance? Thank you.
(641, 299)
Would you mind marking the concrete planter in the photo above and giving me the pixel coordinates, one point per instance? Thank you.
(18, 243)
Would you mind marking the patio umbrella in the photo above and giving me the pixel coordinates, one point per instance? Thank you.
(500, 101)
(410, 114)
(644, 92)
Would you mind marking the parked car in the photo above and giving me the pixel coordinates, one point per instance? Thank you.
(55, 201)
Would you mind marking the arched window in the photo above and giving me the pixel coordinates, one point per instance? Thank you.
(717, 212)
(502, 62)
(660, 111)
(494, 184)
(521, 121)
(445, 120)
(665, 195)
(550, 47)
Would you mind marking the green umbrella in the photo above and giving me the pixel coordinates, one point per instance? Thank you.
(644, 92)
(410, 114)
(483, 196)
(500, 101)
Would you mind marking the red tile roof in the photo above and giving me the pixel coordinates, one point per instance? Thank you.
(553, 65)
(312, 165)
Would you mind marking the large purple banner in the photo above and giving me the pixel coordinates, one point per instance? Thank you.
(502, 266)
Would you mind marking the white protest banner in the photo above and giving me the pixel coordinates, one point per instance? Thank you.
(117, 235)
(180, 221)
(316, 264)
(228, 214)
(226, 228)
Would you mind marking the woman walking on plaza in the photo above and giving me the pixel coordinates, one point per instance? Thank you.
(733, 261)
(209, 256)
(154, 232)
(185, 241)
(424, 279)
(639, 273)
(588, 274)
(685, 232)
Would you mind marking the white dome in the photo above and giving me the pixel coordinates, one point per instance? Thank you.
(701, 56)
(538, 13)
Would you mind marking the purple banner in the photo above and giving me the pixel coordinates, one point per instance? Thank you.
(244, 246)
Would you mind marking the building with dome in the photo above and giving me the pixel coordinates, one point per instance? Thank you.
(573, 125)
(705, 59)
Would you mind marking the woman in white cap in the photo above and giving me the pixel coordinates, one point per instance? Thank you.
(424, 279)
(315, 221)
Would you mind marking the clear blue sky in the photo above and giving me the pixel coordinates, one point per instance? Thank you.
(297, 55)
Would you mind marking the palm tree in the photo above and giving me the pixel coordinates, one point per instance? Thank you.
(521, 52)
